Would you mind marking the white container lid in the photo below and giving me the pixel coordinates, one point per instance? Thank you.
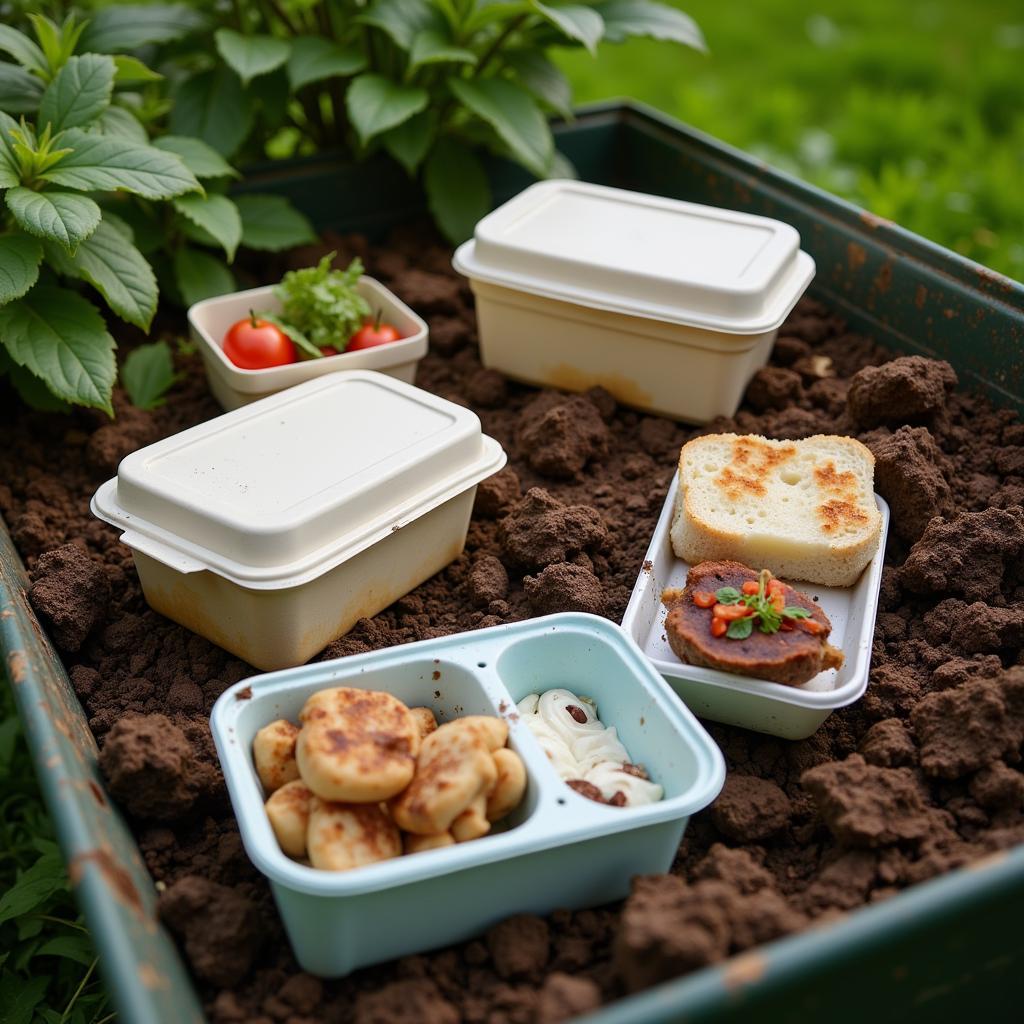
(278, 492)
(642, 255)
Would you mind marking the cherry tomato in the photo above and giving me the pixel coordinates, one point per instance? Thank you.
(704, 599)
(329, 350)
(255, 344)
(372, 334)
(731, 612)
(776, 587)
(778, 601)
(719, 627)
(749, 587)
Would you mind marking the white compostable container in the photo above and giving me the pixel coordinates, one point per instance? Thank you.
(668, 305)
(557, 849)
(791, 712)
(272, 529)
(233, 386)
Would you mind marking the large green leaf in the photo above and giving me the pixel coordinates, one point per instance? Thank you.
(10, 172)
(271, 223)
(251, 56)
(313, 59)
(430, 46)
(61, 338)
(109, 162)
(202, 160)
(625, 18)
(131, 69)
(485, 12)
(199, 275)
(213, 106)
(20, 257)
(376, 103)
(458, 192)
(543, 78)
(147, 374)
(575, 21)
(409, 142)
(513, 114)
(62, 217)
(402, 20)
(33, 391)
(79, 92)
(116, 28)
(20, 91)
(23, 50)
(116, 269)
(215, 214)
(118, 121)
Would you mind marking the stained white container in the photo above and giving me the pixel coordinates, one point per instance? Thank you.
(272, 529)
(668, 305)
(557, 849)
(792, 712)
(234, 386)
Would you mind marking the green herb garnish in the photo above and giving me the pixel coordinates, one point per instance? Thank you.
(768, 618)
(320, 307)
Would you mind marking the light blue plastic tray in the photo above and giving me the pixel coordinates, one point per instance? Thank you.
(556, 850)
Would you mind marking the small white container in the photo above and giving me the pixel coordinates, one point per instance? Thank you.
(668, 305)
(792, 712)
(272, 529)
(233, 386)
(557, 849)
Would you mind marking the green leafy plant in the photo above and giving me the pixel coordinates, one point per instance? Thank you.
(319, 306)
(48, 966)
(432, 83)
(86, 196)
(148, 374)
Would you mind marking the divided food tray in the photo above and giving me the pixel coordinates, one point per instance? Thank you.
(534, 863)
(792, 712)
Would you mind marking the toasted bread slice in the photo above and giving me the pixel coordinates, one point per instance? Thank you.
(804, 509)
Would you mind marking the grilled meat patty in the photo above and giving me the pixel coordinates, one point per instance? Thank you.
(791, 657)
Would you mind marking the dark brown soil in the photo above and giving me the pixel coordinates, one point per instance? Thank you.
(919, 777)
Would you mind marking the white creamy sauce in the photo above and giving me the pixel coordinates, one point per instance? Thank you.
(587, 750)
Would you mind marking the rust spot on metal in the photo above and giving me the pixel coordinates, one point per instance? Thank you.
(920, 296)
(949, 314)
(6, 614)
(743, 970)
(97, 794)
(17, 666)
(883, 279)
(245, 693)
(113, 874)
(873, 221)
(152, 978)
(856, 256)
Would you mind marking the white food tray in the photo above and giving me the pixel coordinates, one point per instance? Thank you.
(792, 712)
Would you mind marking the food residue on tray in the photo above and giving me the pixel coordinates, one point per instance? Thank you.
(732, 618)
(366, 778)
(585, 753)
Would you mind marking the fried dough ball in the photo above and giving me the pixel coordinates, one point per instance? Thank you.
(508, 790)
(273, 751)
(455, 766)
(357, 746)
(288, 811)
(345, 836)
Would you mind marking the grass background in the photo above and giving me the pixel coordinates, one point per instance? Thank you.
(911, 109)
